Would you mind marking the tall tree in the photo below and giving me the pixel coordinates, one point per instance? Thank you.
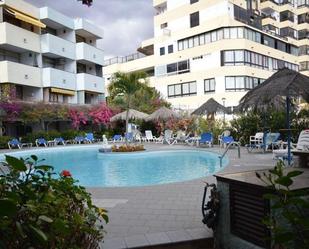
(127, 85)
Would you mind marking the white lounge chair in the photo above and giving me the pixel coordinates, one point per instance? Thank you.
(149, 137)
(302, 145)
(168, 137)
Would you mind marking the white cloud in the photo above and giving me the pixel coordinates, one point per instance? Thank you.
(125, 22)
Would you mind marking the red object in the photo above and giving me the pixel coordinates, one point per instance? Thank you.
(66, 173)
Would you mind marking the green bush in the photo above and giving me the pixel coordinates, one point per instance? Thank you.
(71, 134)
(40, 210)
(4, 142)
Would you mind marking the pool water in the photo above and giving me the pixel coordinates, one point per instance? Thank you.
(94, 169)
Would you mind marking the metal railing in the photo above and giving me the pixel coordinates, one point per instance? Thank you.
(123, 59)
(226, 150)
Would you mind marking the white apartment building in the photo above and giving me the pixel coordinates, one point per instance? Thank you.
(47, 56)
(218, 49)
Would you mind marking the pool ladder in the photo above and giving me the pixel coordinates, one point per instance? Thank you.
(226, 150)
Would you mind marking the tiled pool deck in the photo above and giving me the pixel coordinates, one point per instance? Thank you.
(168, 213)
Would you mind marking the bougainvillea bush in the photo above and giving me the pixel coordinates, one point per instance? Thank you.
(40, 209)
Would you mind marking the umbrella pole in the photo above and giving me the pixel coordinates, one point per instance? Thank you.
(288, 128)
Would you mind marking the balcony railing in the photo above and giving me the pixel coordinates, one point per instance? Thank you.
(123, 59)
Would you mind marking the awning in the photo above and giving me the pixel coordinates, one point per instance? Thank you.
(24, 17)
(62, 91)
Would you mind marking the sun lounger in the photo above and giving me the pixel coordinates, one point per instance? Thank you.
(168, 137)
(206, 138)
(302, 145)
(15, 143)
(41, 142)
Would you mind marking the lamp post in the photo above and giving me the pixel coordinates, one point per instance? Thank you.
(223, 101)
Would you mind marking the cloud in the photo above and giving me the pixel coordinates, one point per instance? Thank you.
(125, 22)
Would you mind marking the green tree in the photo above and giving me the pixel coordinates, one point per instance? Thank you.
(127, 85)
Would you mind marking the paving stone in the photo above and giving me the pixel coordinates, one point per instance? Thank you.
(136, 241)
(177, 236)
(113, 244)
(157, 238)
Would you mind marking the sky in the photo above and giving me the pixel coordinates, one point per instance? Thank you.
(126, 23)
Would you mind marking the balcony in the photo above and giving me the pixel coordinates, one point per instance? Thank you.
(53, 77)
(57, 47)
(87, 53)
(86, 29)
(88, 82)
(12, 72)
(18, 38)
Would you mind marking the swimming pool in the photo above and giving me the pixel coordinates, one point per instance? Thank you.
(94, 169)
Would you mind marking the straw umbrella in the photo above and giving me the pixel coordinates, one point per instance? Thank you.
(163, 114)
(133, 114)
(284, 83)
(210, 107)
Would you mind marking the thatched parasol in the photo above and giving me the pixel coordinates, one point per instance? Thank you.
(284, 83)
(133, 114)
(163, 114)
(211, 106)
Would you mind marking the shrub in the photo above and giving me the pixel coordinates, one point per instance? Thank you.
(4, 142)
(288, 220)
(71, 134)
(40, 210)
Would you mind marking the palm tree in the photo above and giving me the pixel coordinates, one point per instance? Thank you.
(127, 85)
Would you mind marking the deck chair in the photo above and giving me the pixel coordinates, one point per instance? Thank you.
(41, 142)
(117, 138)
(89, 138)
(302, 145)
(79, 139)
(225, 133)
(149, 137)
(206, 138)
(59, 140)
(168, 137)
(226, 140)
(15, 143)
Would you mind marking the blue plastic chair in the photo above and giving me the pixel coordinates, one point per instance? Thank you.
(89, 137)
(15, 143)
(227, 140)
(117, 138)
(79, 139)
(206, 138)
(59, 140)
(129, 136)
(41, 141)
(269, 141)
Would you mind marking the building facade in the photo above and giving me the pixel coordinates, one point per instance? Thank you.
(47, 56)
(218, 49)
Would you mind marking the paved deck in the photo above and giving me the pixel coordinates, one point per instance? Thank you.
(168, 213)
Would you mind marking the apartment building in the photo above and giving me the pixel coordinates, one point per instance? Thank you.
(218, 49)
(47, 56)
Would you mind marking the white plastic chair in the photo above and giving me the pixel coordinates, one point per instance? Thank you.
(302, 145)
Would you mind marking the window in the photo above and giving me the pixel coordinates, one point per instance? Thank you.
(243, 33)
(183, 66)
(252, 59)
(194, 19)
(241, 83)
(163, 25)
(209, 85)
(170, 68)
(181, 90)
(170, 49)
(193, 1)
(162, 51)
